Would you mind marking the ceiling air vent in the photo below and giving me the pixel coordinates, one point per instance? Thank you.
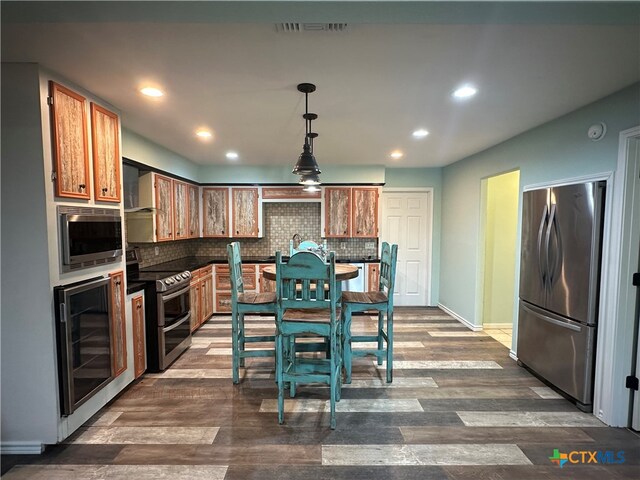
(310, 27)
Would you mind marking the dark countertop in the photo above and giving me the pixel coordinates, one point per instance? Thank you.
(133, 287)
(194, 263)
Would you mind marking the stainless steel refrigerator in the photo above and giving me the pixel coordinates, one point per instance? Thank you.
(559, 284)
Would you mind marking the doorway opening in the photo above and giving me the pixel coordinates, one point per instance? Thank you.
(500, 206)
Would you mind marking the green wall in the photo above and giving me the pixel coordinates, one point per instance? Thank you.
(139, 149)
(500, 247)
(557, 150)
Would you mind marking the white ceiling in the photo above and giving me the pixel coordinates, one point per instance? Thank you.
(376, 82)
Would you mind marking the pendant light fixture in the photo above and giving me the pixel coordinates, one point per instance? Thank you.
(307, 165)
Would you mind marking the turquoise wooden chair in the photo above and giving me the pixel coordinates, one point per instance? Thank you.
(242, 303)
(380, 300)
(300, 313)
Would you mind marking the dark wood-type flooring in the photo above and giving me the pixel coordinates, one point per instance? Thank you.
(459, 408)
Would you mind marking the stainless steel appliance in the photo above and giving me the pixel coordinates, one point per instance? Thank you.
(167, 310)
(89, 236)
(84, 340)
(559, 283)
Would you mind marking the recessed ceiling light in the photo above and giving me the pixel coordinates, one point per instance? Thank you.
(420, 133)
(151, 92)
(465, 91)
(232, 155)
(204, 134)
(396, 154)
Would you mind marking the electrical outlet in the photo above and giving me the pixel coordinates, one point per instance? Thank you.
(370, 245)
(343, 245)
(156, 250)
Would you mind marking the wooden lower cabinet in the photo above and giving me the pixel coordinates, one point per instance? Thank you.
(139, 351)
(223, 285)
(118, 324)
(201, 296)
(206, 295)
(373, 277)
(194, 300)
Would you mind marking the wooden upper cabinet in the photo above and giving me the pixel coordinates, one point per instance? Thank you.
(337, 211)
(245, 212)
(287, 193)
(69, 125)
(365, 212)
(105, 137)
(180, 210)
(118, 325)
(215, 212)
(194, 212)
(164, 204)
(139, 352)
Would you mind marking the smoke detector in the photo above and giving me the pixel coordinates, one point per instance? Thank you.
(597, 131)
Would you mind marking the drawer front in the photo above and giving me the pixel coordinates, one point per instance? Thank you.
(560, 350)
(249, 277)
(223, 302)
(223, 281)
(208, 270)
(222, 268)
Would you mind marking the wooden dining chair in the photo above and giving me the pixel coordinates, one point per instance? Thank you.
(300, 313)
(242, 303)
(380, 300)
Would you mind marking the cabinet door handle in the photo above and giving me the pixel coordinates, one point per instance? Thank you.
(139, 307)
(82, 186)
(104, 190)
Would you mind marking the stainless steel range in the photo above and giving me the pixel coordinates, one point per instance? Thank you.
(168, 313)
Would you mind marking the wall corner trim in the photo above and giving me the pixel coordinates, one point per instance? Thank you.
(21, 448)
(464, 321)
(513, 355)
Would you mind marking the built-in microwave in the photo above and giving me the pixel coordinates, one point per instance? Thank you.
(89, 236)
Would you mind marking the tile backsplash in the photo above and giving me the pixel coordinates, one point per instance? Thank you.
(281, 222)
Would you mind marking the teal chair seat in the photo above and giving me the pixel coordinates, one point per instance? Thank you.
(242, 303)
(381, 301)
(303, 312)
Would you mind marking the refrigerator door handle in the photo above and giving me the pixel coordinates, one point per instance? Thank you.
(557, 248)
(543, 221)
(547, 242)
(546, 318)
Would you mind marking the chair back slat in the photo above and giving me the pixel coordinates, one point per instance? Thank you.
(306, 269)
(388, 260)
(235, 270)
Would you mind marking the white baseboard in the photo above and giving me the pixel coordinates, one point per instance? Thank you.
(497, 325)
(462, 320)
(513, 355)
(21, 448)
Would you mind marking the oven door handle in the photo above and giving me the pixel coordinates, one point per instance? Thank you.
(186, 318)
(176, 294)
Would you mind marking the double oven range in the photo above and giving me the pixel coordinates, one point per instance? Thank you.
(167, 311)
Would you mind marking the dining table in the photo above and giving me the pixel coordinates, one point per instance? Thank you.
(344, 271)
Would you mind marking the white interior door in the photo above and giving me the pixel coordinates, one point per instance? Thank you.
(407, 221)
